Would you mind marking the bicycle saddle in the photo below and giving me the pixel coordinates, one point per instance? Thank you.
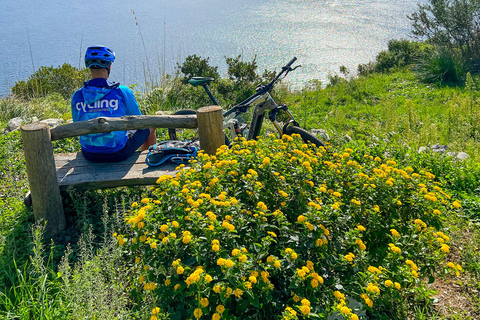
(200, 81)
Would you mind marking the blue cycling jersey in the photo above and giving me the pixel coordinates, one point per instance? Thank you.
(102, 98)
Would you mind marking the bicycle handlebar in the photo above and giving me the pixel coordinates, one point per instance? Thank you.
(291, 62)
(267, 88)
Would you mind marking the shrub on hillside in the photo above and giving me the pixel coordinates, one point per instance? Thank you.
(274, 229)
(400, 53)
(243, 78)
(442, 66)
(63, 80)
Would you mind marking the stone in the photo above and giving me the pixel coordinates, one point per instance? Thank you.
(14, 124)
(422, 149)
(322, 133)
(462, 156)
(53, 122)
(439, 148)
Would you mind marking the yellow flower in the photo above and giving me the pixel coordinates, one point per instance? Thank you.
(361, 228)
(156, 310)
(388, 283)
(445, 248)
(398, 286)
(204, 302)
(373, 288)
(266, 161)
(186, 239)
(140, 279)
(220, 308)
(197, 313)
(394, 233)
(349, 257)
(228, 263)
(180, 270)
(369, 302)
(305, 310)
(305, 302)
(176, 287)
(167, 282)
(339, 295)
(238, 293)
(345, 310)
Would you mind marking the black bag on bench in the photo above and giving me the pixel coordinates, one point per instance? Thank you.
(172, 150)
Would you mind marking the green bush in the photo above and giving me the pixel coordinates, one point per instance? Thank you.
(400, 53)
(63, 80)
(272, 229)
(442, 66)
(195, 66)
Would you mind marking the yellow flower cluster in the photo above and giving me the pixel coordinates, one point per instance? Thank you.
(198, 204)
(349, 257)
(195, 276)
(360, 244)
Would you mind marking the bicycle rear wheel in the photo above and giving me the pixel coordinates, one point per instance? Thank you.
(306, 136)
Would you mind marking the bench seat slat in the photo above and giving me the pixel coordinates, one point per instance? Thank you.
(74, 171)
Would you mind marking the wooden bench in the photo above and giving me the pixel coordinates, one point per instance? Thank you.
(49, 174)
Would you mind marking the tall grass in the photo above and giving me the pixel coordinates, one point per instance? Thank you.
(36, 293)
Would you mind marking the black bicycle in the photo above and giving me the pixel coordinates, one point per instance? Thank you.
(234, 123)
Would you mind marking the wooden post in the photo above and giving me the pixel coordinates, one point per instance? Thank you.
(42, 177)
(210, 128)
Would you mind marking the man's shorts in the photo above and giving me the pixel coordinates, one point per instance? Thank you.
(133, 143)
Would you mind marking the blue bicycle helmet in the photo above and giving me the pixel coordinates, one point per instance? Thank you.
(98, 57)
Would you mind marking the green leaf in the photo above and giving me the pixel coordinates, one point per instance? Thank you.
(253, 299)
(242, 305)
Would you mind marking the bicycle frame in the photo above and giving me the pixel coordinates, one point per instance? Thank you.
(262, 102)
(261, 105)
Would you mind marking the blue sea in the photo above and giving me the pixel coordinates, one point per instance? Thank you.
(151, 36)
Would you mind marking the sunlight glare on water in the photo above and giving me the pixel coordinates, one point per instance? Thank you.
(322, 34)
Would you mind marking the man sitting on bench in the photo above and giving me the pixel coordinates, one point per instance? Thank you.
(101, 98)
